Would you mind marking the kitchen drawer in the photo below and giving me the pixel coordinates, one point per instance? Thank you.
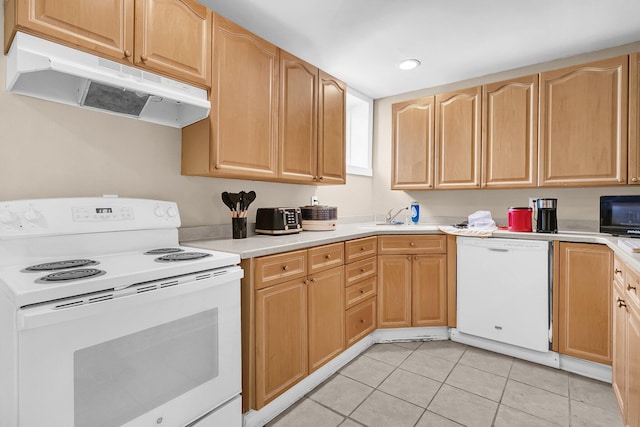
(360, 321)
(360, 270)
(273, 269)
(411, 244)
(360, 292)
(618, 270)
(361, 248)
(631, 285)
(325, 257)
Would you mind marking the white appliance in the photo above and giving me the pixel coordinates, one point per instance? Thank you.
(107, 321)
(504, 290)
(47, 70)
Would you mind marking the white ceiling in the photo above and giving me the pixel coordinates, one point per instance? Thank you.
(362, 41)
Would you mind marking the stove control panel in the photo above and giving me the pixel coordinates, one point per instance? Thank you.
(41, 217)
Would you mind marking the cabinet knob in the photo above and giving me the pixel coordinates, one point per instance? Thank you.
(361, 320)
(409, 258)
(285, 267)
(144, 58)
(629, 287)
(362, 270)
(127, 53)
(412, 244)
(634, 179)
(313, 279)
(305, 282)
(328, 256)
(320, 178)
(362, 248)
(621, 302)
(362, 291)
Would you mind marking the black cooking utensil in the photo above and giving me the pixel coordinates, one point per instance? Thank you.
(249, 198)
(241, 196)
(226, 199)
(235, 199)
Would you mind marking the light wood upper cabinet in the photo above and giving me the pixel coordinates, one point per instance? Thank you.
(634, 118)
(413, 124)
(585, 306)
(239, 138)
(583, 124)
(332, 139)
(170, 37)
(174, 37)
(104, 27)
(510, 133)
(298, 118)
(458, 139)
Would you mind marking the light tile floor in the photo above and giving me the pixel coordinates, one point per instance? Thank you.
(444, 383)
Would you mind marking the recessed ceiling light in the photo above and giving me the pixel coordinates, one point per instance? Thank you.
(408, 64)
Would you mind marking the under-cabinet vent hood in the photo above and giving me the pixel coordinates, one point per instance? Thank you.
(42, 69)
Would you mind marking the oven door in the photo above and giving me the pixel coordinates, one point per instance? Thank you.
(163, 353)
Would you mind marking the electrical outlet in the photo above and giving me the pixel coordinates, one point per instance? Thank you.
(314, 200)
(532, 202)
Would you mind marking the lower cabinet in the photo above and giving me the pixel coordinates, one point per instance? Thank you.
(360, 288)
(626, 339)
(585, 309)
(299, 323)
(412, 281)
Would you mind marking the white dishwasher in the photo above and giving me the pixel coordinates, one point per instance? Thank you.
(504, 290)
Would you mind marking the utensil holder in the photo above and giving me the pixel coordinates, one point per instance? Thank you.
(239, 227)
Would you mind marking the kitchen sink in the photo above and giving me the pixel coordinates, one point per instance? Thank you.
(404, 227)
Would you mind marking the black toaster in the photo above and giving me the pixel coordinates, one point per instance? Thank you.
(278, 220)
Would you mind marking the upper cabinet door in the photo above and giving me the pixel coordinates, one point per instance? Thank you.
(457, 142)
(634, 118)
(583, 124)
(105, 27)
(412, 154)
(174, 38)
(510, 133)
(332, 166)
(244, 103)
(298, 118)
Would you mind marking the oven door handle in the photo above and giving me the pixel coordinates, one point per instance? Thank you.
(102, 303)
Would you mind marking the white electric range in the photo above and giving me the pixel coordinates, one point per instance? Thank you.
(107, 321)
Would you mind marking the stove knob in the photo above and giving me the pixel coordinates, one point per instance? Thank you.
(159, 211)
(171, 212)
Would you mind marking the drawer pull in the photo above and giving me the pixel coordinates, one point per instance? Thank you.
(412, 244)
(362, 270)
(621, 302)
(616, 271)
(362, 291)
(629, 287)
(328, 256)
(362, 248)
(361, 320)
(285, 267)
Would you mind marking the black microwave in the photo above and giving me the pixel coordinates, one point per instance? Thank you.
(620, 215)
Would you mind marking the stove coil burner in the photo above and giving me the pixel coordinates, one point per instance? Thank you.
(63, 276)
(183, 256)
(60, 265)
(161, 251)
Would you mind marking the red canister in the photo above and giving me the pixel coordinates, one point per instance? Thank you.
(519, 219)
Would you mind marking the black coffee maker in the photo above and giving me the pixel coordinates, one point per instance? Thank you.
(547, 217)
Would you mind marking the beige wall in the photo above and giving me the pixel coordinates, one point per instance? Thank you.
(53, 150)
(574, 204)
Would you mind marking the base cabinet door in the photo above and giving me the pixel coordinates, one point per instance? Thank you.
(394, 291)
(326, 316)
(428, 290)
(620, 318)
(632, 406)
(585, 301)
(281, 339)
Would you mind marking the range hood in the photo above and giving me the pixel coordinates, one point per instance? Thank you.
(42, 69)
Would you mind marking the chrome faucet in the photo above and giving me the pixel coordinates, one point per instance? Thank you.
(389, 219)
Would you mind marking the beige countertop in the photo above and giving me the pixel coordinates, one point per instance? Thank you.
(260, 245)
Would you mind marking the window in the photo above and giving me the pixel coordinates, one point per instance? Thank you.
(359, 133)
